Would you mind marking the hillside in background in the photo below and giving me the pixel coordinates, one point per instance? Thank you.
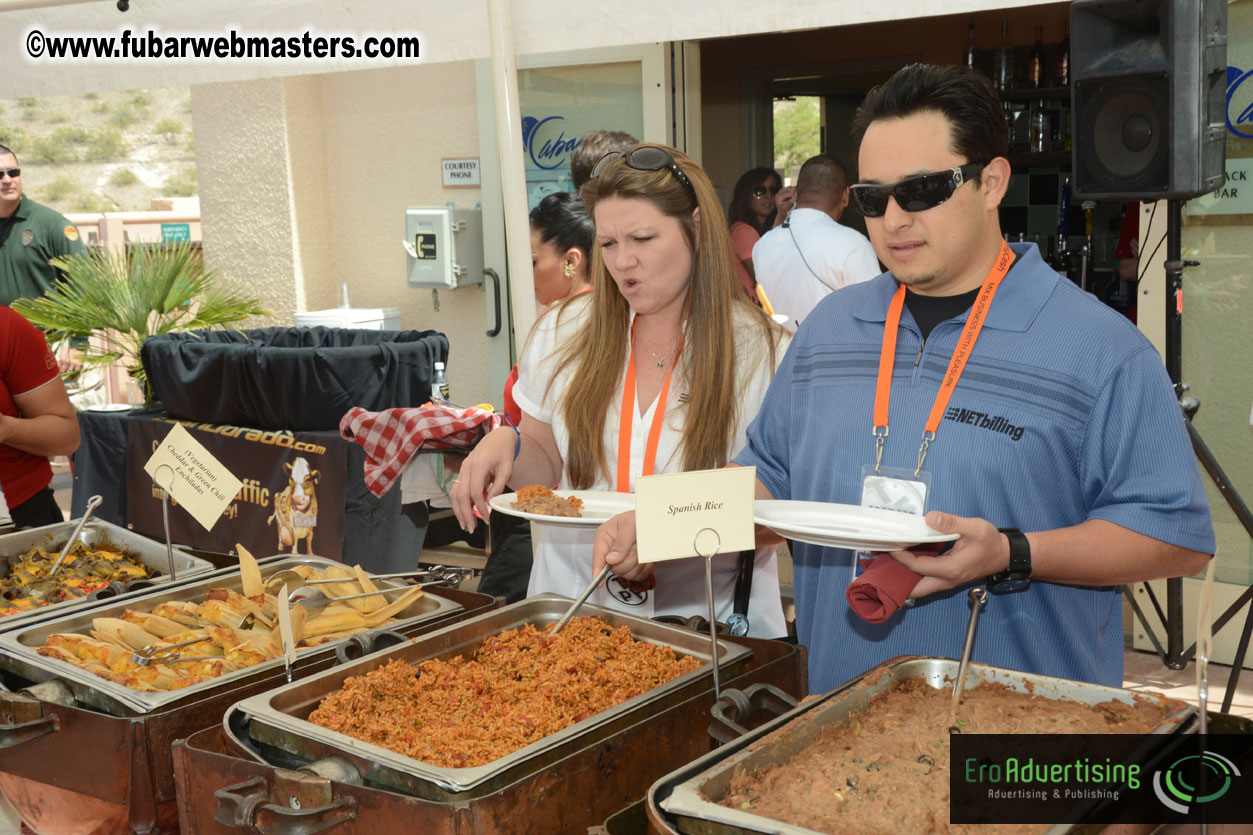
(103, 152)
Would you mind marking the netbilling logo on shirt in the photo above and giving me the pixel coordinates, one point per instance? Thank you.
(983, 420)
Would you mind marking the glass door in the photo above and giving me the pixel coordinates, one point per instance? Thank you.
(650, 91)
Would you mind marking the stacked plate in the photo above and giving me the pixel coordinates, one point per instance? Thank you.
(846, 526)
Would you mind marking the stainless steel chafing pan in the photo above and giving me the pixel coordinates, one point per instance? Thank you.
(277, 719)
(690, 795)
(19, 654)
(95, 533)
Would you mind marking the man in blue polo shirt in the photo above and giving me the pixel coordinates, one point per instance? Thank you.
(1040, 423)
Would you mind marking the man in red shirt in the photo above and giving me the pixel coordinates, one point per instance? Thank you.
(36, 421)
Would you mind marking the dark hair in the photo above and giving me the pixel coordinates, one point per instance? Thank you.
(591, 148)
(4, 149)
(741, 208)
(821, 182)
(965, 97)
(562, 220)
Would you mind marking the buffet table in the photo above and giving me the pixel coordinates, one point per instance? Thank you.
(347, 522)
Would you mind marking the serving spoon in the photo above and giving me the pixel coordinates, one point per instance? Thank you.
(977, 596)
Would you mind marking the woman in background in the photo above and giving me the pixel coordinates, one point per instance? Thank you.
(562, 236)
(754, 211)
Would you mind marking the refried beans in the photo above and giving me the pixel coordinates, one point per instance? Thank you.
(519, 687)
(885, 769)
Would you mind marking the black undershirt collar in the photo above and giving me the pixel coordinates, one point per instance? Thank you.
(930, 311)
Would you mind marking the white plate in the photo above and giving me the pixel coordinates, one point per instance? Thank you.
(598, 506)
(846, 526)
(111, 407)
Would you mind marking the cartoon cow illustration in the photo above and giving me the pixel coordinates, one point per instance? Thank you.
(296, 508)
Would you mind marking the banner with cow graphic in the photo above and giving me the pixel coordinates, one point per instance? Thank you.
(292, 501)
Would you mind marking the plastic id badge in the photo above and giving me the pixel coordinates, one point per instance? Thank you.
(892, 489)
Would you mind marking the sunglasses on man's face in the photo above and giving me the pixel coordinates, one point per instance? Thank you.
(760, 191)
(647, 158)
(916, 194)
(12, 173)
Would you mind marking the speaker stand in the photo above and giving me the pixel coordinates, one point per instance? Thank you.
(1173, 655)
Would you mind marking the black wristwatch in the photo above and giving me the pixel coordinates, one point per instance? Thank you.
(1017, 576)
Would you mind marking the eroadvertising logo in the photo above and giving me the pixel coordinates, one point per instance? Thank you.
(1173, 776)
(1194, 779)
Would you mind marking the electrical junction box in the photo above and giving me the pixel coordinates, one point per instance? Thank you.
(444, 246)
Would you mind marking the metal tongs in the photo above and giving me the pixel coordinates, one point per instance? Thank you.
(582, 598)
(92, 504)
(167, 654)
(449, 576)
(314, 600)
(977, 596)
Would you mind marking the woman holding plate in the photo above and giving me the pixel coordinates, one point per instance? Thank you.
(659, 370)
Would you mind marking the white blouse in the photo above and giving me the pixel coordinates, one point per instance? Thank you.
(563, 556)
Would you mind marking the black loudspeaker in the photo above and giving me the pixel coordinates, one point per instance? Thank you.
(1148, 98)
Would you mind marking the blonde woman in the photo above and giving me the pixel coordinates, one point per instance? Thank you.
(666, 340)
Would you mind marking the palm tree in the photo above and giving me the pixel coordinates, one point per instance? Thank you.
(124, 298)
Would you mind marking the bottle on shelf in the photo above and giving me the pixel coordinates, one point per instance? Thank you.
(439, 384)
(1035, 66)
(1062, 264)
(1003, 74)
(1041, 131)
(1062, 73)
(968, 57)
(1057, 138)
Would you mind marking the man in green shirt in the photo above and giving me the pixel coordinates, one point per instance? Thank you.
(31, 235)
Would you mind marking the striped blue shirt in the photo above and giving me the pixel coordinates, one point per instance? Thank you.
(1064, 413)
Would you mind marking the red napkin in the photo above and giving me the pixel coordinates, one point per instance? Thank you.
(882, 588)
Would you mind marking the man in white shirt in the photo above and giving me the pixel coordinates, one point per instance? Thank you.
(810, 254)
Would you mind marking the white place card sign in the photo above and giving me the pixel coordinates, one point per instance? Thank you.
(694, 514)
(192, 476)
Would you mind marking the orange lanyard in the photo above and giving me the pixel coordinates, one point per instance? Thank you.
(961, 353)
(628, 415)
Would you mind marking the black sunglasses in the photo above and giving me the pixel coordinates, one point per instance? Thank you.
(647, 158)
(760, 191)
(13, 173)
(916, 194)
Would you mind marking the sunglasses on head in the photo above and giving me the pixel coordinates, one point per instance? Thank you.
(916, 194)
(647, 158)
(760, 191)
(13, 173)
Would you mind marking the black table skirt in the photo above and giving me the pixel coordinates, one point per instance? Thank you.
(379, 533)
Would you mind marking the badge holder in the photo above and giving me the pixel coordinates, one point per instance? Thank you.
(892, 488)
(165, 512)
(709, 599)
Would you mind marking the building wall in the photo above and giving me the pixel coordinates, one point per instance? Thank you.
(311, 183)
(245, 190)
(304, 184)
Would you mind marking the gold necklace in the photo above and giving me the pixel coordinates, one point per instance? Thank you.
(661, 361)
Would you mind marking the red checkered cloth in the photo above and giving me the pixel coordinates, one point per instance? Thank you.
(393, 436)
